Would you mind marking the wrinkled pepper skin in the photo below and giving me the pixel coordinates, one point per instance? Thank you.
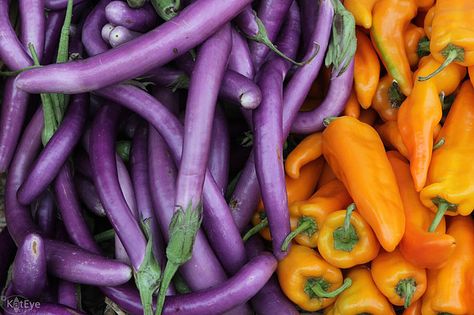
(357, 156)
(390, 19)
(391, 272)
(413, 34)
(361, 10)
(391, 137)
(421, 112)
(296, 190)
(327, 199)
(386, 100)
(366, 70)
(300, 265)
(417, 241)
(309, 149)
(451, 170)
(364, 248)
(453, 30)
(451, 288)
(362, 297)
(352, 107)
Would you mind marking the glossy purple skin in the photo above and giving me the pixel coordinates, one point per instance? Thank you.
(88, 195)
(32, 24)
(59, 4)
(47, 309)
(272, 13)
(191, 27)
(7, 248)
(334, 103)
(218, 222)
(245, 197)
(56, 151)
(139, 20)
(270, 300)
(219, 153)
(71, 211)
(103, 161)
(54, 23)
(235, 291)
(238, 89)
(67, 294)
(29, 267)
(46, 214)
(309, 13)
(12, 52)
(91, 31)
(14, 105)
(141, 180)
(246, 21)
(240, 60)
(120, 35)
(126, 186)
(208, 72)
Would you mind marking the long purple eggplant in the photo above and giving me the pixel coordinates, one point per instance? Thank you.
(240, 60)
(68, 294)
(139, 20)
(235, 291)
(245, 196)
(59, 4)
(333, 104)
(29, 267)
(146, 52)
(46, 214)
(219, 153)
(91, 31)
(7, 248)
(54, 23)
(121, 35)
(168, 77)
(309, 14)
(64, 261)
(88, 195)
(32, 21)
(56, 152)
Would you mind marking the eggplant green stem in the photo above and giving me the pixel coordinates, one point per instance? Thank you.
(123, 149)
(17, 72)
(256, 229)
(443, 206)
(166, 9)
(107, 235)
(439, 144)
(136, 3)
(405, 289)
(305, 225)
(451, 53)
(319, 286)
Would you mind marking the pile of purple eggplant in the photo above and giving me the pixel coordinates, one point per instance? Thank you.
(119, 132)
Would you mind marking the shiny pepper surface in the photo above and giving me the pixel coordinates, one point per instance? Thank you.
(357, 156)
(366, 70)
(361, 10)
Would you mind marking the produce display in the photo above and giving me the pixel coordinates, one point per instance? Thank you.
(264, 157)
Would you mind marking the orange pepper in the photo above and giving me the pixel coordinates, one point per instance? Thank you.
(417, 241)
(413, 35)
(368, 116)
(399, 280)
(307, 217)
(429, 22)
(424, 5)
(471, 74)
(366, 70)
(391, 137)
(361, 10)
(414, 309)
(357, 156)
(309, 149)
(387, 99)
(352, 107)
(327, 175)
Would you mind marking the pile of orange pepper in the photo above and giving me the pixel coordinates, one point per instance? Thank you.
(380, 202)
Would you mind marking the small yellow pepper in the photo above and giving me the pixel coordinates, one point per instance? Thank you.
(361, 10)
(387, 99)
(366, 70)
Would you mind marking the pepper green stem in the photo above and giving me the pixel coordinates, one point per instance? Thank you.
(451, 53)
(104, 236)
(347, 218)
(443, 206)
(406, 289)
(256, 229)
(328, 120)
(439, 144)
(305, 225)
(345, 237)
(168, 275)
(319, 287)
(395, 96)
(423, 48)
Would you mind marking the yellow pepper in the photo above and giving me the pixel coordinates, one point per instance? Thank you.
(428, 23)
(366, 70)
(309, 149)
(391, 137)
(413, 35)
(308, 280)
(387, 99)
(361, 10)
(352, 107)
(346, 239)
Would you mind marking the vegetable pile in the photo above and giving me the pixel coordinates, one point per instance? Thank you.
(237, 157)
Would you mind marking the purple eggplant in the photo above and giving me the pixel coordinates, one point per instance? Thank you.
(139, 20)
(7, 248)
(68, 294)
(241, 90)
(46, 214)
(56, 151)
(333, 104)
(219, 153)
(32, 21)
(105, 32)
(88, 195)
(29, 267)
(120, 35)
(54, 23)
(217, 300)
(240, 60)
(155, 48)
(309, 14)
(91, 31)
(168, 77)
(59, 4)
